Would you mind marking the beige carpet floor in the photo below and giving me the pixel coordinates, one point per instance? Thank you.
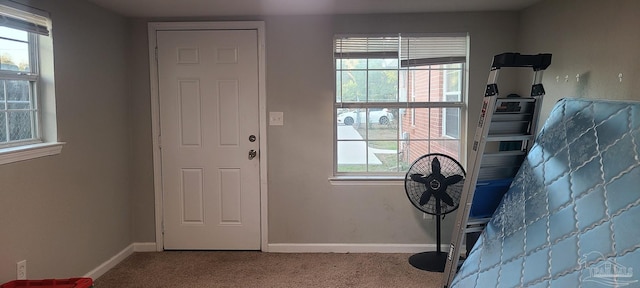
(257, 269)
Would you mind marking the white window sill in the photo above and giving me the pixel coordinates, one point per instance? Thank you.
(367, 180)
(26, 152)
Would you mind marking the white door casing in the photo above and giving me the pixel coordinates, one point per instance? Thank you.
(208, 87)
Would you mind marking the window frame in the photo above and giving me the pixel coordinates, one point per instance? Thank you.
(33, 78)
(44, 142)
(446, 93)
(409, 104)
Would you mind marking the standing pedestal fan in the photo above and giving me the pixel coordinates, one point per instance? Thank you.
(434, 185)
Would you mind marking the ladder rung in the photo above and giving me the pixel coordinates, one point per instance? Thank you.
(493, 173)
(502, 117)
(474, 229)
(504, 158)
(505, 154)
(514, 105)
(509, 127)
(514, 99)
(478, 221)
(509, 137)
(476, 224)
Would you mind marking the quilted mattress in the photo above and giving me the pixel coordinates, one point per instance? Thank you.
(571, 217)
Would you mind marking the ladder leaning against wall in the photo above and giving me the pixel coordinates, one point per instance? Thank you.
(504, 135)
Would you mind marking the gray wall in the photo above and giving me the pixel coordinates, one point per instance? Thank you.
(142, 201)
(596, 39)
(303, 206)
(67, 214)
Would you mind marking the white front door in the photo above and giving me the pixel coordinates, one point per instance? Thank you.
(209, 123)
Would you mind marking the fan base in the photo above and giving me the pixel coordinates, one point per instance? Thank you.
(433, 261)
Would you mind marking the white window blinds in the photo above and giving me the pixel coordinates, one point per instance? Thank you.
(411, 51)
(367, 47)
(24, 18)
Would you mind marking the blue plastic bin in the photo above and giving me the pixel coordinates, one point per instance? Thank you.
(487, 197)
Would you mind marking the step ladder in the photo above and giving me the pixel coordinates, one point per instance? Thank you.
(505, 133)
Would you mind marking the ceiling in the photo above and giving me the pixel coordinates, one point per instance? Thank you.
(191, 8)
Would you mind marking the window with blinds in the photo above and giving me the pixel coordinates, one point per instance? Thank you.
(19, 75)
(398, 97)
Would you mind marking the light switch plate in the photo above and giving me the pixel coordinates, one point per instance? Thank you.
(276, 118)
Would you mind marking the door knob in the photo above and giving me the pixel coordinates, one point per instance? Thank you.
(252, 154)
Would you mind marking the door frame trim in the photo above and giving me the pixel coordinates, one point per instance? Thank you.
(153, 28)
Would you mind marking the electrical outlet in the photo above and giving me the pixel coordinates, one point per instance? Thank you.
(21, 268)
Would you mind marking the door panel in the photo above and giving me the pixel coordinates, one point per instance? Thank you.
(208, 86)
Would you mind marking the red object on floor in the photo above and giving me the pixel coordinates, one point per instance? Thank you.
(51, 283)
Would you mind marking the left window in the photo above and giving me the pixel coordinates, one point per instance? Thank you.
(24, 36)
(18, 88)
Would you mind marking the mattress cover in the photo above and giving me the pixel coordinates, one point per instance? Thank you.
(571, 217)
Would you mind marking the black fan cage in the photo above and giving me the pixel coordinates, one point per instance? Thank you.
(423, 165)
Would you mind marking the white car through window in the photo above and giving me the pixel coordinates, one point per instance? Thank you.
(376, 116)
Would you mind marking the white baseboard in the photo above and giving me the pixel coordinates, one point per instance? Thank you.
(104, 267)
(113, 261)
(352, 248)
(144, 247)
